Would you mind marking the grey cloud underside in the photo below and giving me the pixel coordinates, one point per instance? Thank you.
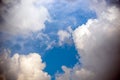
(114, 2)
(103, 59)
(99, 48)
(5, 73)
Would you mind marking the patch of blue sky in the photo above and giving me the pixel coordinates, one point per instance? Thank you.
(63, 14)
(67, 14)
(54, 58)
(30, 46)
(59, 56)
(23, 45)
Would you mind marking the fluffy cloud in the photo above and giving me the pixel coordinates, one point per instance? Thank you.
(74, 74)
(98, 44)
(22, 67)
(64, 36)
(22, 16)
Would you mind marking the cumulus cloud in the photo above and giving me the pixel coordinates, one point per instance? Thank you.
(22, 67)
(63, 36)
(76, 73)
(22, 16)
(98, 44)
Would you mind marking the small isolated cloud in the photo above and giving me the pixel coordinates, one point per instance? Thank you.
(22, 16)
(46, 40)
(63, 36)
(98, 44)
(22, 67)
(50, 45)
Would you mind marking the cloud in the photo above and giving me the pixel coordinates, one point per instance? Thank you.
(98, 44)
(64, 36)
(22, 67)
(74, 74)
(50, 45)
(114, 2)
(22, 16)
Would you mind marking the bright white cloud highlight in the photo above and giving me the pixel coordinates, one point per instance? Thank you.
(64, 36)
(23, 17)
(22, 67)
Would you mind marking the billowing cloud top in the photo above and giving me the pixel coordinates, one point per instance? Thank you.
(64, 36)
(22, 16)
(98, 44)
(22, 67)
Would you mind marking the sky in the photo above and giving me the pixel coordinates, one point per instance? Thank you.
(59, 39)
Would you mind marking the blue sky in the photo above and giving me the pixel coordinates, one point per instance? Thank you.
(62, 15)
(61, 55)
(59, 31)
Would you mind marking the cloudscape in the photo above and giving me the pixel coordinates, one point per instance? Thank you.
(60, 40)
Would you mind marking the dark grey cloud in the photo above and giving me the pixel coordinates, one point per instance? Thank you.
(5, 73)
(114, 2)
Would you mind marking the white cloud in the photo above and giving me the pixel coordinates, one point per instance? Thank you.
(50, 45)
(22, 67)
(42, 36)
(46, 2)
(23, 16)
(74, 74)
(64, 36)
(98, 43)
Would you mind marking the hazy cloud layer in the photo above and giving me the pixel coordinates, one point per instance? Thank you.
(22, 67)
(22, 16)
(98, 44)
